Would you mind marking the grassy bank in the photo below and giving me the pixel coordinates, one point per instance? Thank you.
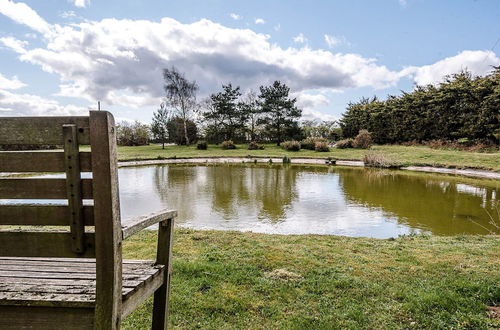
(418, 155)
(253, 281)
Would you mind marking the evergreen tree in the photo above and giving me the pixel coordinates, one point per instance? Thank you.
(279, 110)
(159, 125)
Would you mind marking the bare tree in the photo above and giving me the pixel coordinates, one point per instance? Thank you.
(180, 96)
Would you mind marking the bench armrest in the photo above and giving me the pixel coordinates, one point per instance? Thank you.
(132, 226)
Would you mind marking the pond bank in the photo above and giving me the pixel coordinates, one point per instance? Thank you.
(312, 161)
(231, 279)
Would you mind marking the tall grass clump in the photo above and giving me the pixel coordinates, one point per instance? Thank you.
(291, 145)
(255, 146)
(202, 145)
(229, 144)
(372, 159)
(363, 140)
(310, 142)
(321, 146)
(344, 144)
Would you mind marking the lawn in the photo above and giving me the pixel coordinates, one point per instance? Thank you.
(418, 155)
(235, 280)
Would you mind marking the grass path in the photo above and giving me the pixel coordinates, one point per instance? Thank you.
(231, 280)
(405, 155)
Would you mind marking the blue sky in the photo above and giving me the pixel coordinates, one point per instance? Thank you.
(60, 56)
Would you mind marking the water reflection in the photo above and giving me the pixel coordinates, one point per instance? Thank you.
(300, 199)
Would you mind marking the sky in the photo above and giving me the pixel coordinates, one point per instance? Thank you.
(59, 57)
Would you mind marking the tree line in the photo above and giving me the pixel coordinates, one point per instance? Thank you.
(462, 107)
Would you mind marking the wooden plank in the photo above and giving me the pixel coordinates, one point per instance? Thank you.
(73, 187)
(72, 269)
(46, 299)
(137, 224)
(46, 318)
(72, 263)
(41, 130)
(54, 288)
(107, 221)
(42, 244)
(62, 276)
(163, 257)
(21, 188)
(40, 161)
(127, 283)
(132, 301)
(38, 215)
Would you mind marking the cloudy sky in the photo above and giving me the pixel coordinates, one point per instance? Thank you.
(60, 57)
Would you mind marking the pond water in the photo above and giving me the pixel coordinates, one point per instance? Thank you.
(294, 199)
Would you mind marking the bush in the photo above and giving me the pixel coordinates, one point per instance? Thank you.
(321, 146)
(132, 134)
(309, 143)
(254, 146)
(202, 145)
(363, 140)
(344, 144)
(229, 144)
(378, 160)
(291, 145)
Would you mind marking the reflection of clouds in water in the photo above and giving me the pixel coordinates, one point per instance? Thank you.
(299, 199)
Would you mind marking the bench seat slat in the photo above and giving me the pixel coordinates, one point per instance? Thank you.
(40, 161)
(25, 283)
(16, 188)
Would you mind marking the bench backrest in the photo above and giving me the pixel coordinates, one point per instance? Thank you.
(72, 203)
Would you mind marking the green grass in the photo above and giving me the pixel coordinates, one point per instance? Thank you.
(404, 155)
(221, 280)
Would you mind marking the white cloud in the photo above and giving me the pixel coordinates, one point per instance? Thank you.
(277, 27)
(403, 3)
(81, 3)
(260, 21)
(68, 14)
(14, 44)
(14, 83)
(476, 61)
(16, 104)
(23, 14)
(300, 39)
(307, 102)
(234, 16)
(332, 41)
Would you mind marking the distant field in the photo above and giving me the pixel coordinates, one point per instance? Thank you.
(231, 280)
(405, 155)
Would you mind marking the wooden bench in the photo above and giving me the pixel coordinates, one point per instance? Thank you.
(71, 275)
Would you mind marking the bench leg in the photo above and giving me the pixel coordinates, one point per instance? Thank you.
(163, 257)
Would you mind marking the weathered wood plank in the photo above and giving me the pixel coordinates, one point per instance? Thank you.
(41, 130)
(53, 288)
(137, 224)
(16, 188)
(163, 257)
(73, 269)
(46, 299)
(42, 244)
(132, 301)
(72, 276)
(73, 187)
(107, 221)
(37, 215)
(66, 282)
(40, 161)
(72, 263)
(44, 318)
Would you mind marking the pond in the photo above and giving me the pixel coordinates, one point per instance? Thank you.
(295, 199)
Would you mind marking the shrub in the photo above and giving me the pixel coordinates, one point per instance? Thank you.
(229, 144)
(321, 146)
(344, 144)
(363, 140)
(377, 160)
(202, 145)
(254, 146)
(291, 145)
(309, 143)
(132, 134)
